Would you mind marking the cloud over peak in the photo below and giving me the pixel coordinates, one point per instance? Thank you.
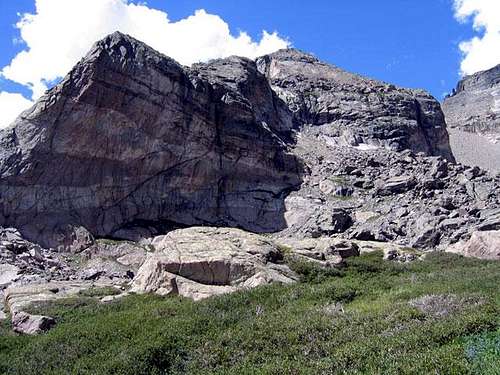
(483, 51)
(60, 32)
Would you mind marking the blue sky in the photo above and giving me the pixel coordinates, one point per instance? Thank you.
(412, 43)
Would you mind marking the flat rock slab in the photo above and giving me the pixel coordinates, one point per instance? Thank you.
(18, 298)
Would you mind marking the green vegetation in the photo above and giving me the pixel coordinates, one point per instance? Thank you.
(362, 319)
(343, 197)
(340, 180)
(100, 291)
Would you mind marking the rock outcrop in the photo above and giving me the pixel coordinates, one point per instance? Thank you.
(30, 324)
(201, 262)
(482, 245)
(132, 139)
(473, 117)
(358, 111)
(19, 299)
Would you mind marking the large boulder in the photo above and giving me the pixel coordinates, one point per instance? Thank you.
(396, 185)
(200, 262)
(8, 274)
(30, 324)
(482, 245)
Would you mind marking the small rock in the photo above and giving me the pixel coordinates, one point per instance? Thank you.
(31, 324)
(396, 185)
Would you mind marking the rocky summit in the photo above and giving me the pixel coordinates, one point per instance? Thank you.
(473, 118)
(354, 110)
(137, 174)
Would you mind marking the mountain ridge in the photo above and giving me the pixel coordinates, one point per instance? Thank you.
(124, 102)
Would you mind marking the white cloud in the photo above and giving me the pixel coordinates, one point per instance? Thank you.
(11, 105)
(481, 52)
(62, 31)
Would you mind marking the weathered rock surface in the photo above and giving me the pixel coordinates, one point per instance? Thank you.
(132, 139)
(8, 274)
(474, 107)
(359, 111)
(483, 245)
(31, 324)
(327, 252)
(20, 298)
(409, 199)
(24, 262)
(200, 262)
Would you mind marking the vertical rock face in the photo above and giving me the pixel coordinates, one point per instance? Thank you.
(475, 104)
(362, 111)
(473, 116)
(130, 138)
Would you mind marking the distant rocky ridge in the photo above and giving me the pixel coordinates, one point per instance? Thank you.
(474, 106)
(136, 172)
(473, 118)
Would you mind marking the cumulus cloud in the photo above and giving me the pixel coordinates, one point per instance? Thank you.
(483, 51)
(60, 32)
(11, 105)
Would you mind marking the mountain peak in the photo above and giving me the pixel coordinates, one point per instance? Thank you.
(293, 54)
(121, 49)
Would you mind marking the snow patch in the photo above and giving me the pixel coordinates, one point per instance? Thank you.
(366, 147)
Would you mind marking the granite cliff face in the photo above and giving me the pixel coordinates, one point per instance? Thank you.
(132, 139)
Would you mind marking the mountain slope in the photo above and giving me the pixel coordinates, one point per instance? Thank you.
(130, 143)
(359, 110)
